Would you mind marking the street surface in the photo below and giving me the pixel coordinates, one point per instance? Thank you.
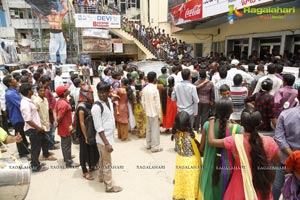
(142, 175)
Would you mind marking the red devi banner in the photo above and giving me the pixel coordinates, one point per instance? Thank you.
(186, 12)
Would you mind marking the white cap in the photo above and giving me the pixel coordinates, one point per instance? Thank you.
(235, 62)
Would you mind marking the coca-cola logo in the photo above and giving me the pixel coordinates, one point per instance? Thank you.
(192, 12)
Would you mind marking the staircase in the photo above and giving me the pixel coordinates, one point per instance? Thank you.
(124, 35)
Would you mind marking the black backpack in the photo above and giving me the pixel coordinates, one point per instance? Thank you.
(89, 124)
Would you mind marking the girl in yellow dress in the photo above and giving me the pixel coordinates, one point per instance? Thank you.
(188, 160)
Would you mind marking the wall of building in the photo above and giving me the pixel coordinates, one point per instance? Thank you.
(158, 12)
(240, 27)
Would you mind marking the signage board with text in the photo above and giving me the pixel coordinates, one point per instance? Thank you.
(97, 21)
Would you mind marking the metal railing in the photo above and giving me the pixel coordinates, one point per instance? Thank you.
(96, 9)
(158, 53)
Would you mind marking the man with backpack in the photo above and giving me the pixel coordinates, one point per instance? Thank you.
(86, 132)
(104, 123)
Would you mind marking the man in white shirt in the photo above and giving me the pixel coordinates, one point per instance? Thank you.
(104, 123)
(277, 82)
(175, 70)
(58, 81)
(100, 70)
(233, 71)
(33, 126)
(3, 113)
(151, 104)
(215, 73)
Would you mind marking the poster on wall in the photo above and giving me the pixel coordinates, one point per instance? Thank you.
(54, 12)
(118, 46)
(93, 41)
(186, 12)
(8, 52)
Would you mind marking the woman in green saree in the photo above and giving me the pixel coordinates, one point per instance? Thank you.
(217, 163)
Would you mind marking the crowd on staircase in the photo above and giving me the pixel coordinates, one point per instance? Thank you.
(160, 43)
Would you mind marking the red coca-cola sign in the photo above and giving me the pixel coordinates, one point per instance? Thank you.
(189, 11)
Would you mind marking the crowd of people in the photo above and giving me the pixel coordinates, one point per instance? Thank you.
(228, 105)
(244, 103)
(158, 41)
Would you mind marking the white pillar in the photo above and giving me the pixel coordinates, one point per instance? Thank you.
(250, 46)
(283, 37)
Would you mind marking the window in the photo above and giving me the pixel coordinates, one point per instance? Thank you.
(270, 40)
(297, 39)
(29, 15)
(17, 16)
(21, 14)
(133, 4)
(198, 50)
(123, 6)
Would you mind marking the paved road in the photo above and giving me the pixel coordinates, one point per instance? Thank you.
(142, 174)
(129, 158)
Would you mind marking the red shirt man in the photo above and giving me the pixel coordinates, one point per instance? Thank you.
(63, 120)
(63, 111)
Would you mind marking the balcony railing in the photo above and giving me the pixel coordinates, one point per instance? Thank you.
(17, 4)
(28, 24)
(159, 53)
(96, 9)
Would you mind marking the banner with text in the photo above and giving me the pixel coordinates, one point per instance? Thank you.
(216, 7)
(186, 12)
(99, 33)
(118, 46)
(97, 21)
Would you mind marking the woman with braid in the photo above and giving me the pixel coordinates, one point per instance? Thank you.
(169, 107)
(122, 118)
(253, 153)
(217, 162)
(188, 160)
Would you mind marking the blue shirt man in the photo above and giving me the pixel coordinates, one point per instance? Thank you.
(185, 94)
(13, 102)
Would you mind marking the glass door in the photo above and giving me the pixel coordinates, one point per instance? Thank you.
(264, 50)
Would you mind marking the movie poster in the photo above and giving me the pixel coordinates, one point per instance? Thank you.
(54, 12)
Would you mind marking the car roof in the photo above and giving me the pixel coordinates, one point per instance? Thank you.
(12, 64)
(67, 65)
(147, 66)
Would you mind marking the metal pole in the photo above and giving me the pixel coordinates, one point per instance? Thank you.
(69, 28)
(41, 36)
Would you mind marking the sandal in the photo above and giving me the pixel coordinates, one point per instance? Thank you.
(88, 176)
(114, 189)
(93, 169)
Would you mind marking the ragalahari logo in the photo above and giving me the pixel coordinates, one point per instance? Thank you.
(233, 14)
